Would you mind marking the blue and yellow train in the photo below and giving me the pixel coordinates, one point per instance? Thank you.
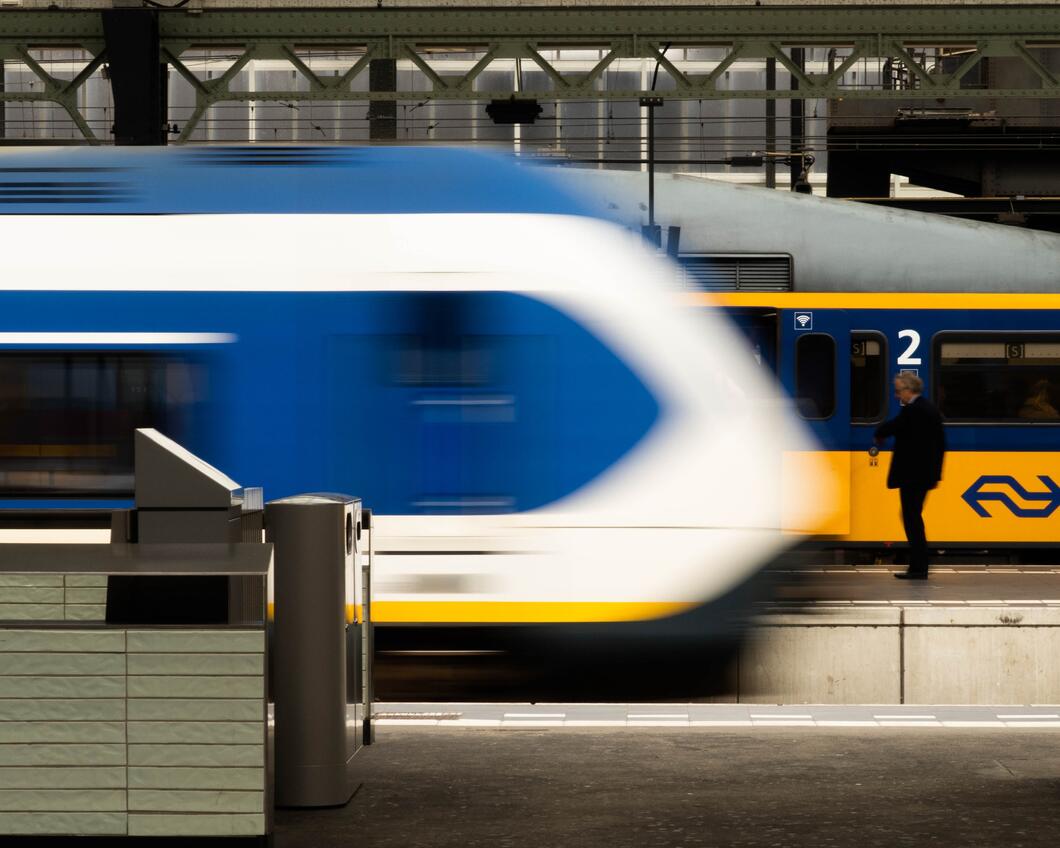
(990, 362)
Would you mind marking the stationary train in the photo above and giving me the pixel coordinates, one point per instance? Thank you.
(973, 308)
(548, 438)
(990, 362)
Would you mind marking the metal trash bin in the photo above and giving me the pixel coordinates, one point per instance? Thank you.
(316, 575)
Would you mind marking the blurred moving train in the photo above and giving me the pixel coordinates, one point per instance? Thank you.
(548, 439)
(973, 308)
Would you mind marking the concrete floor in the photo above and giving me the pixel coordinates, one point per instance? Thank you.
(768, 787)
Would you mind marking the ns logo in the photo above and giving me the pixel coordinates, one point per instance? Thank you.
(1002, 489)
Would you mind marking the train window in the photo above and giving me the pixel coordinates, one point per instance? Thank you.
(441, 350)
(868, 377)
(415, 362)
(998, 377)
(815, 375)
(67, 419)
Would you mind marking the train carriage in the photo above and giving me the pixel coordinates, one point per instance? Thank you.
(556, 452)
(989, 361)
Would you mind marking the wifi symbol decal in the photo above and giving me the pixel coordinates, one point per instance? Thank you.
(803, 320)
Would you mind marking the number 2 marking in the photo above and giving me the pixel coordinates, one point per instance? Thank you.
(907, 358)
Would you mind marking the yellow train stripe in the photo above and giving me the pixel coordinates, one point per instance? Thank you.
(520, 612)
(512, 612)
(873, 300)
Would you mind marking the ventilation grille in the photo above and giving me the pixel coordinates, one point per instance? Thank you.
(737, 272)
(263, 156)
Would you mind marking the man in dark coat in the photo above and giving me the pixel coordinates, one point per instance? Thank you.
(916, 466)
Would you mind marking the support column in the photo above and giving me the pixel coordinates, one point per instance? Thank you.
(137, 76)
(771, 124)
(382, 114)
(653, 232)
(798, 122)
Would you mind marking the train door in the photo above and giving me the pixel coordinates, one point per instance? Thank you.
(759, 326)
(873, 509)
(815, 368)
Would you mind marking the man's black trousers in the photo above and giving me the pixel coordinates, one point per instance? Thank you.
(912, 506)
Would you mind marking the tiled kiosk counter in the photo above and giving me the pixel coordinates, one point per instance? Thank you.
(134, 731)
(53, 597)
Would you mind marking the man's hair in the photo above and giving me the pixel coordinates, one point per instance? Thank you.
(910, 381)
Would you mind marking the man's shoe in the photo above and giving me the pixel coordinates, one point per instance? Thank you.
(910, 575)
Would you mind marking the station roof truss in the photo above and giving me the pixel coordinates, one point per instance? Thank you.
(933, 49)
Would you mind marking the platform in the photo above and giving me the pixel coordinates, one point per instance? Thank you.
(975, 635)
(665, 788)
(957, 586)
(834, 635)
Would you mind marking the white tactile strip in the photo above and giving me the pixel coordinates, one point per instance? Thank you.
(912, 602)
(559, 716)
(935, 569)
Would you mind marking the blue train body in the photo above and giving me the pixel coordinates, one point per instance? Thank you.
(278, 180)
(421, 402)
(519, 408)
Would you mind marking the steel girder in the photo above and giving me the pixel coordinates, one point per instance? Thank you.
(913, 38)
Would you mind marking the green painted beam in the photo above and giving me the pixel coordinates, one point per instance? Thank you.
(680, 25)
(577, 93)
(529, 33)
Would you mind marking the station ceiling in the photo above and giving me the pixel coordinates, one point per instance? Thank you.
(936, 45)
